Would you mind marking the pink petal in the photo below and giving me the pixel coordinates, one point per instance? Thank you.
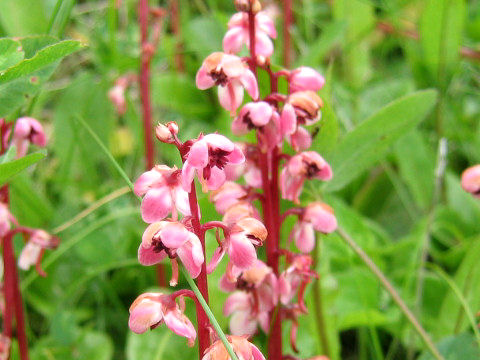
(265, 24)
(146, 181)
(174, 235)
(219, 141)
(257, 355)
(239, 127)
(156, 205)
(260, 113)
(29, 255)
(198, 154)
(203, 79)
(241, 323)
(180, 324)
(146, 314)
(147, 257)
(236, 157)
(230, 96)
(181, 201)
(188, 173)
(238, 19)
(216, 179)
(241, 251)
(471, 180)
(300, 139)
(232, 66)
(234, 39)
(191, 255)
(304, 236)
(306, 78)
(253, 177)
(288, 120)
(321, 217)
(37, 133)
(249, 82)
(239, 300)
(263, 45)
(216, 258)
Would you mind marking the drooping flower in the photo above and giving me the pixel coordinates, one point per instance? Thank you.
(305, 78)
(33, 251)
(6, 218)
(163, 193)
(471, 180)
(317, 216)
(172, 239)
(293, 281)
(249, 169)
(150, 310)
(227, 195)
(208, 156)
(117, 95)
(28, 130)
(244, 350)
(303, 166)
(253, 115)
(238, 34)
(231, 76)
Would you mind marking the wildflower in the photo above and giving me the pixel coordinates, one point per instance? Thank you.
(249, 169)
(117, 95)
(305, 78)
(163, 193)
(6, 218)
(471, 180)
(28, 130)
(166, 133)
(244, 349)
(238, 34)
(317, 216)
(208, 156)
(231, 76)
(303, 166)
(227, 195)
(33, 251)
(172, 239)
(294, 280)
(150, 310)
(252, 115)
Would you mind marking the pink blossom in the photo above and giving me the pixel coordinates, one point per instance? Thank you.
(28, 130)
(252, 115)
(6, 218)
(239, 211)
(471, 180)
(294, 279)
(227, 195)
(172, 239)
(305, 78)
(244, 349)
(117, 96)
(317, 216)
(150, 310)
(208, 156)
(306, 165)
(231, 76)
(238, 34)
(163, 193)
(249, 169)
(33, 251)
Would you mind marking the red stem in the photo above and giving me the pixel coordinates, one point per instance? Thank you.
(147, 50)
(287, 23)
(177, 32)
(203, 324)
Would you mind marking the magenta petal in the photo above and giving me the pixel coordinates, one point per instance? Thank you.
(236, 157)
(219, 141)
(216, 179)
(203, 79)
(241, 251)
(198, 154)
(230, 96)
(288, 120)
(174, 235)
(146, 181)
(234, 40)
(180, 324)
(156, 205)
(147, 257)
(249, 82)
(257, 355)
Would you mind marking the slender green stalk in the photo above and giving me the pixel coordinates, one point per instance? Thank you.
(210, 315)
(56, 9)
(393, 293)
(461, 298)
(106, 151)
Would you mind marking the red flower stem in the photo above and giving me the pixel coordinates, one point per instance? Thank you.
(287, 23)
(216, 224)
(144, 80)
(203, 324)
(251, 34)
(177, 32)
(8, 289)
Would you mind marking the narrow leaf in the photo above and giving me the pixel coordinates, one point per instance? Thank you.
(12, 168)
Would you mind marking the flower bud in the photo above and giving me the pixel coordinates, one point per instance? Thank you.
(165, 132)
(248, 5)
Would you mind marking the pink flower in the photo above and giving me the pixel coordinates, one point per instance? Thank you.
(253, 115)
(117, 96)
(208, 156)
(306, 165)
(227, 195)
(471, 180)
(150, 310)
(241, 346)
(28, 130)
(249, 169)
(240, 243)
(231, 75)
(172, 239)
(6, 218)
(239, 211)
(317, 216)
(294, 280)
(305, 78)
(33, 251)
(238, 34)
(163, 193)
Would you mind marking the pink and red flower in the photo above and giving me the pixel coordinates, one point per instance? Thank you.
(471, 180)
(244, 349)
(28, 130)
(305, 78)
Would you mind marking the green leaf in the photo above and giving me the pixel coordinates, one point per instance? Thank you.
(459, 347)
(370, 141)
(10, 53)
(95, 345)
(441, 35)
(205, 35)
(9, 155)
(12, 168)
(23, 17)
(41, 59)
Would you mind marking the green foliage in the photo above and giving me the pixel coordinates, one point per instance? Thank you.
(11, 168)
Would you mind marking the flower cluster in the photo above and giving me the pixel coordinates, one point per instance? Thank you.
(240, 177)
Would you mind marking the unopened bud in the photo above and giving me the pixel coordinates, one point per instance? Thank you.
(165, 132)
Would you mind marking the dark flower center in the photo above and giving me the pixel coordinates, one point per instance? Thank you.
(217, 157)
(219, 77)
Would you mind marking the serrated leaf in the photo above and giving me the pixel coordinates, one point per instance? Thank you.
(10, 53)
(41, 59)
(12, 168)
(370, 141)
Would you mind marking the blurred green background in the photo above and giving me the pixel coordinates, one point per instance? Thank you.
(380, 130)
